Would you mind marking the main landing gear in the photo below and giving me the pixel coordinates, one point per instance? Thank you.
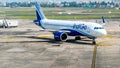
(77, 38)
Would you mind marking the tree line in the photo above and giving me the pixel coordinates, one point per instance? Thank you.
(63, 4)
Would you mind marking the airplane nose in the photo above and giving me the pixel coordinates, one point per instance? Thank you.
(101, 33)
(104, 33)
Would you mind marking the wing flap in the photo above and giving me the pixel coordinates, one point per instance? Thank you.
(55, 30)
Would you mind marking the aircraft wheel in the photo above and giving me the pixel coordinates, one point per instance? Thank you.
(94, 42)
(77, 38)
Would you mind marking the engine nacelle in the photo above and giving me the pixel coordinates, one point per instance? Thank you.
(60, 36)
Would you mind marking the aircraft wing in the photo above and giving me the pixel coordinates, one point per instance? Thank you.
(55, 30)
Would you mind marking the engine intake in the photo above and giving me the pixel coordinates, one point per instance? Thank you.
(60, 36)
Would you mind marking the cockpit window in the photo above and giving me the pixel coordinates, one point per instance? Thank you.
(98, 28)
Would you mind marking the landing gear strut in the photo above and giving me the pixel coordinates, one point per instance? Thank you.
(77, 38)
(93, 42)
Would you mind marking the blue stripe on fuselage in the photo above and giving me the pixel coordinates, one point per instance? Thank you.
(75, 33)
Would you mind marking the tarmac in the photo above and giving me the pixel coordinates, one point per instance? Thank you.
(27, 46)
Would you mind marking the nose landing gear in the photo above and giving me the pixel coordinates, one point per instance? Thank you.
(94, 42)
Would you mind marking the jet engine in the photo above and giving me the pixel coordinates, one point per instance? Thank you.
(60, 36)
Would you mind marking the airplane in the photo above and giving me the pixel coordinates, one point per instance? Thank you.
(62, 28)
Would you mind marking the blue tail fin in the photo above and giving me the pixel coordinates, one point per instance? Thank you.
(103, 20)
(39, 13)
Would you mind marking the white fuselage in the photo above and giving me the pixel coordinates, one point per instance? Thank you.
(61, 29)
(85, 28)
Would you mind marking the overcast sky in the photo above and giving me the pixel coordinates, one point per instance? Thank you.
(48, 0)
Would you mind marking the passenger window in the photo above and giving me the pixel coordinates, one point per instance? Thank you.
(98, 28)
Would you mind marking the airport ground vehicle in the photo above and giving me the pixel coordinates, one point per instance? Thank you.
(8, 23)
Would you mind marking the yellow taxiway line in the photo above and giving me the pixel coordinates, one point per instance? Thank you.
(94, 56)
(44, 36)
(108, 36)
